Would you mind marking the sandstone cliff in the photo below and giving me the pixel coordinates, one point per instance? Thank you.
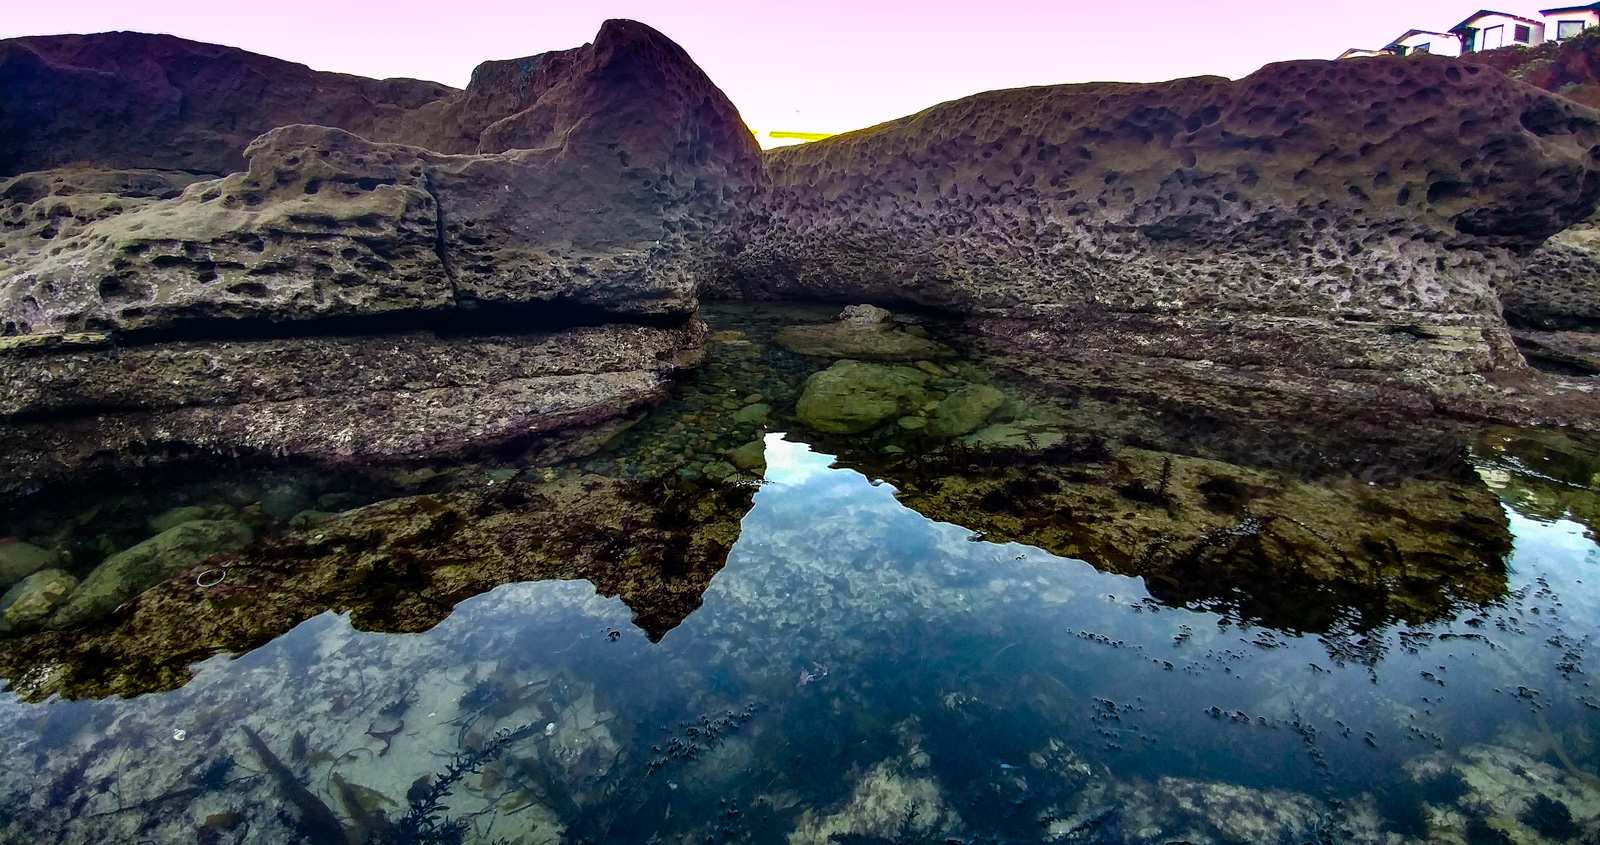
(290, 308)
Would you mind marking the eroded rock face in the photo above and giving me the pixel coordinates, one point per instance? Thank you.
(290, 308)
(132, 100)
(325, 223)
(335, 399)
(1329, 205)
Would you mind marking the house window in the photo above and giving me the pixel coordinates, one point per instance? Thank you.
(1493, 37)
(1523, 34)
(1422, 48)
(1567, 29)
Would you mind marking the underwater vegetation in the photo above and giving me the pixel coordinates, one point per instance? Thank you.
(998, 614)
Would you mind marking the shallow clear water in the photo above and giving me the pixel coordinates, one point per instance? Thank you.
(898, 651)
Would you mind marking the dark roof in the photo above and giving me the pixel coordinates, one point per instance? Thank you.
(1461, 27)
(1587, 7)
(1410, 32)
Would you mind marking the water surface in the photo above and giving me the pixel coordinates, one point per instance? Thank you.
(1122, 626)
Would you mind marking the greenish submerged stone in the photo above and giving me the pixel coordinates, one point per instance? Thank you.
(851, 396)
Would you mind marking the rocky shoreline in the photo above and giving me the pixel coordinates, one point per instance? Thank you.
(433, 272)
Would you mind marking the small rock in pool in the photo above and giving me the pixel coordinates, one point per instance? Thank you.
(31, 601)
(18, 560)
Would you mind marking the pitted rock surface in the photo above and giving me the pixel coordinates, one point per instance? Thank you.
(1559, 286)
(325, 223)
(1378, 193)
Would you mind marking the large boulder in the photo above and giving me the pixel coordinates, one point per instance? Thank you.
(850, 396)
(1351, 218)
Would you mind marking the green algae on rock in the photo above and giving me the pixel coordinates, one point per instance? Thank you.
(851, 397)
(127, 573)
(29, 602)
(398, 565)
(965, 409)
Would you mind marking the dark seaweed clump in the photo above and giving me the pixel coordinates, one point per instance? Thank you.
(424, 822)
(1550, 818)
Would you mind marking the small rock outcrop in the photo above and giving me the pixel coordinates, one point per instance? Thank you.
(31, 601)
(129, 572)
(1350, 218)
(863, 332)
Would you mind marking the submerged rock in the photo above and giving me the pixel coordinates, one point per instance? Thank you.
(751, 457)
(128, 573)
(189, 513)
(1244, 541)
(851, 397)
(965, 409)
(755, 414)
(397, 565)
(31, 601)
(893, 802)
(18, 560)
(864, 339)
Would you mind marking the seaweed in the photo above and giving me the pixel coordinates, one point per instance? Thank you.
(703, 733)
(1550, 818)
(316, 822)
(424, 822)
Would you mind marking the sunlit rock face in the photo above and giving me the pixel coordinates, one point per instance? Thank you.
(555, 220)
(1315, 216)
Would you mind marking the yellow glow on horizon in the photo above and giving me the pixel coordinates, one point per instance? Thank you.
(785, 138)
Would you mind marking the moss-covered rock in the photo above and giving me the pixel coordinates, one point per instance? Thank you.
(131, 571)
(751, 457)
(18, 560)
(851, 397)
(31, 601)
(965, 409)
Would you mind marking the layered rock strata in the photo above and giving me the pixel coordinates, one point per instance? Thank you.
(345, 298)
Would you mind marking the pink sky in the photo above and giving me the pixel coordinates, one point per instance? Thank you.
(807, 65)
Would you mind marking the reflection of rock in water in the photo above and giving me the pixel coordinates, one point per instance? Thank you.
(1264, 547)
(1543, 473)
(402, 565)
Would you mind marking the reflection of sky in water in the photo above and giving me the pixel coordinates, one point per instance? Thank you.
(872, 637)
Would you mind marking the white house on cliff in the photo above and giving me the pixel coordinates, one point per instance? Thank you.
(1488, 29)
